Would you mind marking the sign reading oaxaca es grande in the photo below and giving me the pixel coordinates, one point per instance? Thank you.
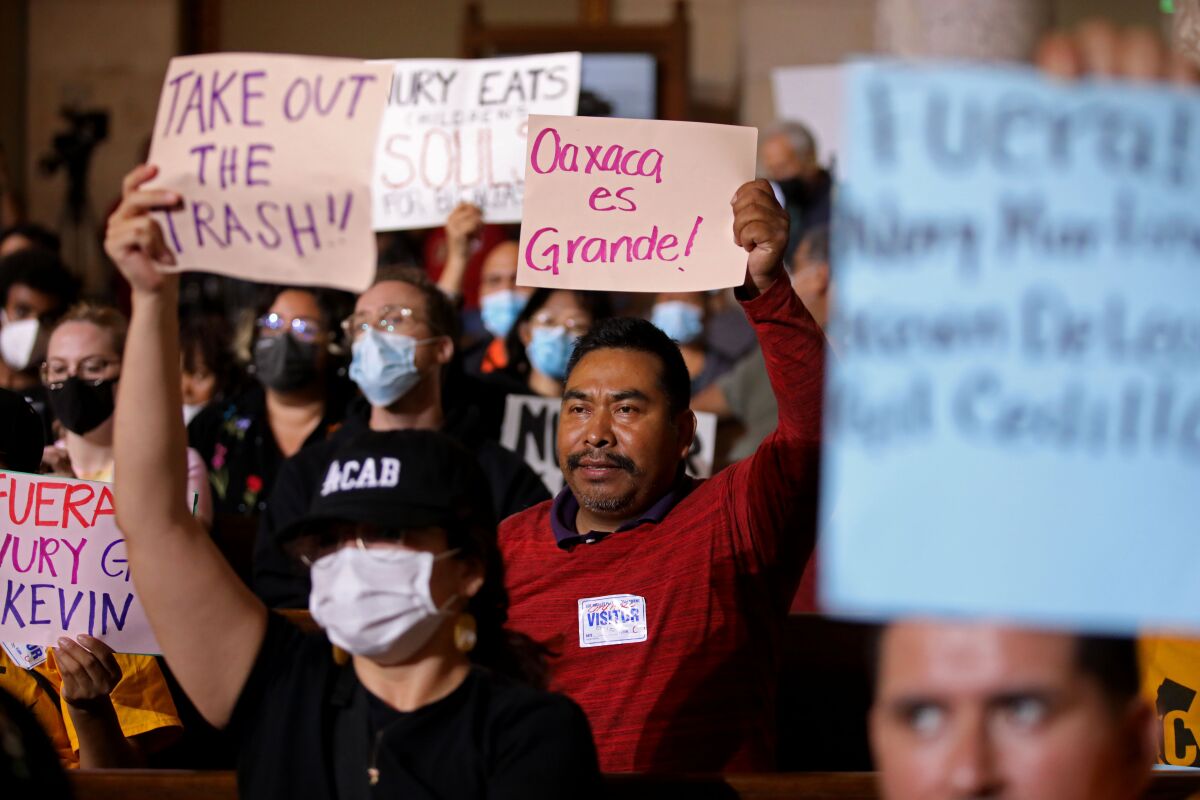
(1013, 416)
(632, 205)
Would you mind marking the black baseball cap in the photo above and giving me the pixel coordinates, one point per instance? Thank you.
(21, 438)
(398, 480)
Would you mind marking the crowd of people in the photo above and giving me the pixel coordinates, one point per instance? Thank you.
(472, 635)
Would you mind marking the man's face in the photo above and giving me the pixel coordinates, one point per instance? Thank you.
(499, 270)
(781, 162)
(973, 710)
(619, 445)
(404, 305)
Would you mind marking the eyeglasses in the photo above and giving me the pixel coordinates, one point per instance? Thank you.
(548, 319)
(388, 319)
(93, 368)
(306, 329)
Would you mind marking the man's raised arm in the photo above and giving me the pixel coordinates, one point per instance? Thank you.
(210, 626)
(773, 493)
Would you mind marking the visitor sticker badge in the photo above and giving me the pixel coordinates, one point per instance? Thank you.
(25, 656)
(612, 619)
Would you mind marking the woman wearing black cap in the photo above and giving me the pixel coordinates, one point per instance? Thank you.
(403, 558)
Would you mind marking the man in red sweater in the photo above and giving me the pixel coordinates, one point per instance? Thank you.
(666, 596)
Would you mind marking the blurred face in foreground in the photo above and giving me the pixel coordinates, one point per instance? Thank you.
(975, 710)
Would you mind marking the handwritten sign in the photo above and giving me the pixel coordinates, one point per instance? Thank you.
(530, 430)
(273, 156)
(632, 205)
(1013, 419)
(63, 568)
(454, 131)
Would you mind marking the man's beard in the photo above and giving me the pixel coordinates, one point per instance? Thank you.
(604, 504)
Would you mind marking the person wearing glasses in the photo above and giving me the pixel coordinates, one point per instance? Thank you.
(402, 337)
(295, 401)
(101, 709)
(543, 336)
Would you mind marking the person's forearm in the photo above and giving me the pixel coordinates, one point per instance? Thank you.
(150, 448)
(102, 743)
(451, 279)
(793, 347)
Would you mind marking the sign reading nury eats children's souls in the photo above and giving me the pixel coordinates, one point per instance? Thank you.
(632, 205)
(1013, 413)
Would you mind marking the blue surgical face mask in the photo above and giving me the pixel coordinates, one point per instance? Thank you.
(384, 365)
(682, 321)
(549, 351)
(499, 311)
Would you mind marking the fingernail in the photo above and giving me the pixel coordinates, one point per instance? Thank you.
(63, 641)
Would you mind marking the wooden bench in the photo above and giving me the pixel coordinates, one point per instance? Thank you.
(115, 784)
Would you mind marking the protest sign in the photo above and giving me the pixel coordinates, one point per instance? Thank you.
(63, 568)
(1013, 416)
(273, 157)
(632, 205)
(530, 430)
(813, 96)
(454, 131)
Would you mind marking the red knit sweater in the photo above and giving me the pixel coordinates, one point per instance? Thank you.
(717, 574)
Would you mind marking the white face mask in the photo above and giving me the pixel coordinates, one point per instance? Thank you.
(17, 340)
(375, 602)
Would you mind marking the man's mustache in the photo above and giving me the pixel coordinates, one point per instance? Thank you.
(608, 459)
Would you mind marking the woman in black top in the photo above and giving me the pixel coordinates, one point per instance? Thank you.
(403, 556)
(296, 399)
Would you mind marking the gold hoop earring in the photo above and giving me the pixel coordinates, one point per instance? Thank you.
(465, 633)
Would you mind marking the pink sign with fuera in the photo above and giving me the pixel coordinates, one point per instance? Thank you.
(63, 566)
(632, 205)
(273, 156)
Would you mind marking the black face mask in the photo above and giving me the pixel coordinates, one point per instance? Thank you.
(284, 364)
(80, 405)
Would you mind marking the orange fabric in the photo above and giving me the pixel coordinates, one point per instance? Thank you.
(495, 357)
(141, 699)
(1171, 681)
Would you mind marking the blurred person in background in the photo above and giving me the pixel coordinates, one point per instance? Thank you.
(682, 317)
(500, 299)
(788, 158)
(210, 372)
(35, 290)
(543, 336)
(100, 708)
(296, 399)
(453, 254)
(25, 235)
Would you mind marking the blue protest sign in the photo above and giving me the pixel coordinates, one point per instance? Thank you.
(1013, 413)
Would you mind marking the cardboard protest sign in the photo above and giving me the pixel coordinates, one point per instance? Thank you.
(63, 569)
(1013, 418)
(454, 131)
(530, 430)
(273, 156)
(632, 205)
(815, 97)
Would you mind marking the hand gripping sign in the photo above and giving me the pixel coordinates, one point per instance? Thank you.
(632, 205)
(273, 156)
